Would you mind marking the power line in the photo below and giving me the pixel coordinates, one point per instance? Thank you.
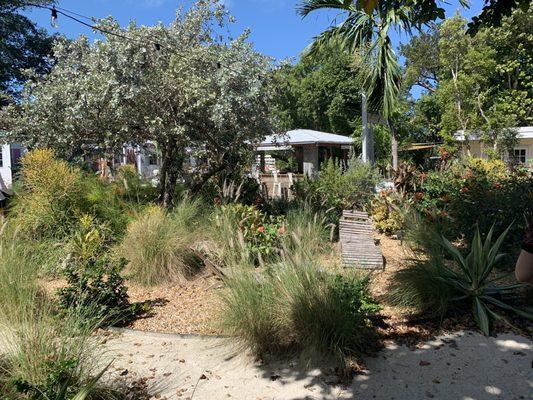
(62, 11)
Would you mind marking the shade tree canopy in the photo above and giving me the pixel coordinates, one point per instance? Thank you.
(182, 86)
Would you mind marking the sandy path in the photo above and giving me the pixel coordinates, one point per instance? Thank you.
(463, 366)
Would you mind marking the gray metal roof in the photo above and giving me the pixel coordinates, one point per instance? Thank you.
(305, 136)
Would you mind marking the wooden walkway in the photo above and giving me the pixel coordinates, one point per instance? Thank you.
(358, 248)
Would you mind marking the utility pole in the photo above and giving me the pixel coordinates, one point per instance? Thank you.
(367, 137)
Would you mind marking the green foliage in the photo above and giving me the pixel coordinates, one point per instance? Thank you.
(433, 285)
(250, 231)
(389, 208)
(337, 189)
(477, 193)
(44, 356)
(158, 244)
(51, 191)
(94, 280)
(132, 187)
(300, 305)
(320, 92)
(142, 93)
(24, 47)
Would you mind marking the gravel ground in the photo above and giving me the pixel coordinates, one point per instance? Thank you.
(185, 308)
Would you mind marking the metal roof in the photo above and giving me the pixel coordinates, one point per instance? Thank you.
(524, 132)
(303, 136)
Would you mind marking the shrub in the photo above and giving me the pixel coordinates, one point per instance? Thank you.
(294, 305)
(432, 285)
(94, 277)
(477, 193)
(389, 208)
(158, 244)
(43, 356)
(245, 229)
(338, 189)
(51, 191)
(132, 188)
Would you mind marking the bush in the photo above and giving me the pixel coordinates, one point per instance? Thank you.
(245, 232)
(336, 189)
(43, 356)
(432, 286)
(158, 244)
(51, 192)
(94, 277)
(298, 306)
(389, 209)
(132, 188)
(477, 193)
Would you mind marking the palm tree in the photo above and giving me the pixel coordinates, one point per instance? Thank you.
(366, 28)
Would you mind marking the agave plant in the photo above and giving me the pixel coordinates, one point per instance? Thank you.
(473, 280)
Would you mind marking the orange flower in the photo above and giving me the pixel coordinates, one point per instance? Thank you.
(261, 229)
(419, 195)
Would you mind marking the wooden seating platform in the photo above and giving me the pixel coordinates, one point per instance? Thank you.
(358, 248)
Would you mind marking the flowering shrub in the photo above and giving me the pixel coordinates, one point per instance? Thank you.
(261, 233)
(477, 193)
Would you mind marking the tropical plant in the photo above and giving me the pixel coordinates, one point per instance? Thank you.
(432, 284)
(367, 28)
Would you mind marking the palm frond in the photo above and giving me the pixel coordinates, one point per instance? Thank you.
(308, 6)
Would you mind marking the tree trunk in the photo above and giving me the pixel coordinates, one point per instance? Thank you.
(367, 139)
(394, 144)
(170, 169)
(199, 184)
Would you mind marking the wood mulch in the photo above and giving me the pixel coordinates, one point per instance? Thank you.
(191, 307)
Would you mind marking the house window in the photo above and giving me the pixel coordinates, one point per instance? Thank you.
(520, 155)
(152, 158)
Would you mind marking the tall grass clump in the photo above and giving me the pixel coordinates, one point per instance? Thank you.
(158, 244)
(299, 306)
(43, 356)
(308, 235)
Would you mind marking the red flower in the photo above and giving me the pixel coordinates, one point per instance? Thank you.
(497, 186)
(464, 189)
(261, 229)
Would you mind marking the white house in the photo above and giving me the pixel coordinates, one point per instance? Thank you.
(310, 148)
(522, 153)
(9, 158)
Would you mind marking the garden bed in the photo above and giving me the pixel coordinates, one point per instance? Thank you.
(191, 306)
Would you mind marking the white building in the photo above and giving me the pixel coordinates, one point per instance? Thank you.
(9, 158)
(522, 153)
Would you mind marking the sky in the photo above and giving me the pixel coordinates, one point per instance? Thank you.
(276, 29)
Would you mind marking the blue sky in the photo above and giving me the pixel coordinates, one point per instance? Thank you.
(276, 29)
